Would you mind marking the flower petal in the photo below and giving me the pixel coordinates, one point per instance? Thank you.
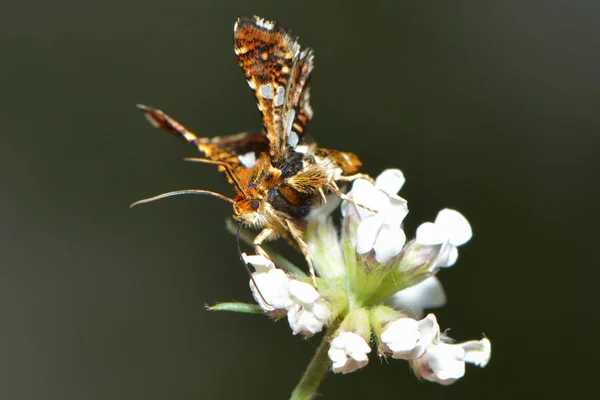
(456, 225)
(303, 292)
(303, 320)
(443, 363)
(401, 335)
(364, 193)
(394, 210)
(260, 263)
(274, 289)
(389, 243)
(348, 352)
(409, 339)
(428, 293)
(477, 352)
(447, 256)
(366, 234)
(309, 311)
(390, 181)
(429, 233)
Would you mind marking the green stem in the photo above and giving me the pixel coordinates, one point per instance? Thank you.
(314, 373)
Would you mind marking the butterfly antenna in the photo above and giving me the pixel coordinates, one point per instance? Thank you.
(248, 269)
(225, 166)
(181, 192)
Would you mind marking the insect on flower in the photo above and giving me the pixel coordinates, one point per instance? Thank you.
(280, 173)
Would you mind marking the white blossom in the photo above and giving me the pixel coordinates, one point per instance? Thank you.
(309, 311)
(273, 284)
(381, 212)
(415, 299)
(477, 352)
(451, 229)
(444, 363)
(408, 339)
(348, 352)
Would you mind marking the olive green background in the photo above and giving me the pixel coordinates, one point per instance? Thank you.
(488, 107)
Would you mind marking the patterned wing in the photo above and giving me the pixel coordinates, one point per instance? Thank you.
(347, 162)
(278, 72)
(238, 151)
(301, 112)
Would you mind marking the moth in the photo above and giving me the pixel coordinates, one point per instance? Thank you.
(279, 174)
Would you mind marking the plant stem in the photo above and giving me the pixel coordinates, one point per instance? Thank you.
(314, 373)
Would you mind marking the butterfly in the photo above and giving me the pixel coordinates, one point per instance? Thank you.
(279, 174)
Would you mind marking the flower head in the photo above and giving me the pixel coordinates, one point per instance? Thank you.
(372, 286)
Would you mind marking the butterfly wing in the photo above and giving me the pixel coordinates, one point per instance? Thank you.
(237, 151)
(278, 73)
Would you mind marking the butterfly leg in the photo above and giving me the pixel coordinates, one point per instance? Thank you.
(351, 178)
(264, 235)
(297, 236)
(336, 190)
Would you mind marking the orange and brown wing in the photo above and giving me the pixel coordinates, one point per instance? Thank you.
(232, 150)
(302, 112)
(347, 162)
(278, 73)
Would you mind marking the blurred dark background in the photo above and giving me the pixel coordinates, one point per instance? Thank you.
(488, 107)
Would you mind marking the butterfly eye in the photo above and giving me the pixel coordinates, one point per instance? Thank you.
(254, 204)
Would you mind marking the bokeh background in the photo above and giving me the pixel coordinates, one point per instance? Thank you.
(488, 107)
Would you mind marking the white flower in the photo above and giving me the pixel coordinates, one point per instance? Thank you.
(445, 363)
(348, 352)
(408, 339)
(273, 284)
(451, 229)
(309, 311)
(380, 229)
(415, 299)
(477, 352)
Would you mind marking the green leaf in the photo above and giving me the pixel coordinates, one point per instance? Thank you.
(236, 307)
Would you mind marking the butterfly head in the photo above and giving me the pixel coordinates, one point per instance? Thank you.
(250, 208)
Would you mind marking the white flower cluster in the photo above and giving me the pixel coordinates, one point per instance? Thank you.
(277, 293)
(372, 282)
(433, 358)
